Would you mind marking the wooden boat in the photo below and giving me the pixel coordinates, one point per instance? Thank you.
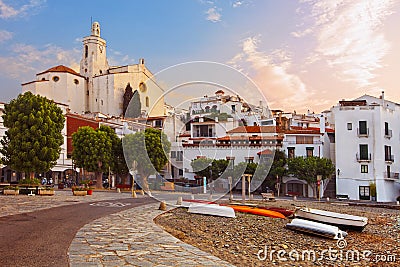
(212, 209)
(344, 221)
(316, 228)
(258, 211)
(285, 212)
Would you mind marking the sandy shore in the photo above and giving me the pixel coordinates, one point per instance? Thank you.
(251, 240)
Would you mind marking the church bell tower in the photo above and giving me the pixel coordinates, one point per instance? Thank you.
(93, 63)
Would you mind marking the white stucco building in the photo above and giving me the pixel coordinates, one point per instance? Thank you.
(98, 87)
(368, 148)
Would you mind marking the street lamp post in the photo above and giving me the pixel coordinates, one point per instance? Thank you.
(210, 183)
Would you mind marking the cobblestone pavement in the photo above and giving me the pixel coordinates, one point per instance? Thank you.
(127, 238)
(11, 205)
(131, 238)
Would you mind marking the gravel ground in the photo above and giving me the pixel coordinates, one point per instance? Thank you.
(251, 240)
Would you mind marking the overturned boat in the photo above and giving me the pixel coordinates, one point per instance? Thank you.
(211, 209)
(344, 221)
(316, 228)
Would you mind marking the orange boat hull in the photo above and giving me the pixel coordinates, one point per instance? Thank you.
(258, 211)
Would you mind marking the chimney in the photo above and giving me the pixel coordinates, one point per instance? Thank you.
(322, 124)
(383, 98)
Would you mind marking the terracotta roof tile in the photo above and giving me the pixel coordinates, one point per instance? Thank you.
(254, 129)
(60, 68)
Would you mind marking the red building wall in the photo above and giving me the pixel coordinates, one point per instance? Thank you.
(74, 122)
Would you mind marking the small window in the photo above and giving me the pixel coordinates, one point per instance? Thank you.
(56, 78)
(309, 151)
(180, 172)
(76, 81)
(173, 154)
(349, 126)
(102, 103)
(43, 79)
(147, 101)
(363, 127)
(364, 168)
(86, 51)
(290, 152)
(142, 87)
(179, 155)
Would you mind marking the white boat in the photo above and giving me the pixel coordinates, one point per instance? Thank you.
(316, 228)
(212, 209)
(345, 221)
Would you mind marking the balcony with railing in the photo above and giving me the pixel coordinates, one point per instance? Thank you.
(362, 132)
(391, 176)
(363, 157)
(389, 158)
(388, 134)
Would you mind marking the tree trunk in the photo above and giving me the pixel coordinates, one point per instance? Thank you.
(99, 180)
(314, 188)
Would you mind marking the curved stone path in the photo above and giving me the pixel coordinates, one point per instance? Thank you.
(131, 238)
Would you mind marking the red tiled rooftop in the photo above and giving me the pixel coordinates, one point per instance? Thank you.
(60, 68)
(254, 129)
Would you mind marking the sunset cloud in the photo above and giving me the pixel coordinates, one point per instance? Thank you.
(271, 74)
(25, 61)
(213, 15)
(350, 37)
(5, 36)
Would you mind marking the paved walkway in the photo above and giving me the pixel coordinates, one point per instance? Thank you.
(131, 238)
(127, 238)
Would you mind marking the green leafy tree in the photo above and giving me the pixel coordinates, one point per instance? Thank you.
(205, 167)
(92, 151)
(277, 171)
(307, 169)
(34, 136)
(117, 162)
(149, 149)
(201, 166)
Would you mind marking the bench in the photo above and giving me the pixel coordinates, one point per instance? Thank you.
(342, 197)
(268, 196)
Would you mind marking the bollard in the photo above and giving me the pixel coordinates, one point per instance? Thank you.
(179, 201)
(142, 192)
(327, 199)
(294, 198)
(398, 202)
(192, 196)
(252, 197)
(118, 190)
(210, 198)
(163, 206)
(134, 194)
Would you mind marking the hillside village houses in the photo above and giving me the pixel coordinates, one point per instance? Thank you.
(360, 136)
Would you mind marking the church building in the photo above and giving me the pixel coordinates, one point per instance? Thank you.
(99, 87)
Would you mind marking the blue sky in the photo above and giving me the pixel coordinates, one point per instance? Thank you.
(303, 54)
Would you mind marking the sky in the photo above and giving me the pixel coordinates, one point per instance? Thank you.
(302, 54)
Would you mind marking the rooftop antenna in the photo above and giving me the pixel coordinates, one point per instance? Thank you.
(91, 20)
